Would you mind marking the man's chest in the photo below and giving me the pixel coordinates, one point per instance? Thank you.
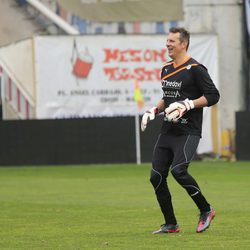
(174, 82)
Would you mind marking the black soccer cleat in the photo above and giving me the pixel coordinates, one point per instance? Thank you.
(168, 228)
(205, 220)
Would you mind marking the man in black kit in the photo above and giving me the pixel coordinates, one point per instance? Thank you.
(187, 88)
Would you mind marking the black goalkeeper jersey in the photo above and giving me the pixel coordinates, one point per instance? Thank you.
(188, 80)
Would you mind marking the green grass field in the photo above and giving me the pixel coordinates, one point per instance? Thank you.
(114, 207)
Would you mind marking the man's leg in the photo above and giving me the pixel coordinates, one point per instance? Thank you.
(184, 150)
(162, 159)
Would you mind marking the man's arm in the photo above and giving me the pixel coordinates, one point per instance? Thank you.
(161, 106)
(200, 102)
(207, 87)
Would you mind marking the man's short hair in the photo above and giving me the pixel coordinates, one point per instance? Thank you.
(184, 34)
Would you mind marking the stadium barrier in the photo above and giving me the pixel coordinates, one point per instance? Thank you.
(242, 141)
(74, 141)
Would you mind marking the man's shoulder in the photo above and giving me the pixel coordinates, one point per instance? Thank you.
(167, 63)
(192, 63)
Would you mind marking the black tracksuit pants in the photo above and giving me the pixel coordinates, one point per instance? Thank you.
(175, 153)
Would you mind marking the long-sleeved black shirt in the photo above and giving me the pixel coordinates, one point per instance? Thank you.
(188, 80)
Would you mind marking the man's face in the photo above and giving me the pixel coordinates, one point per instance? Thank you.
(174, 45)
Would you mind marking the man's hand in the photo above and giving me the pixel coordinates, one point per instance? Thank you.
(148, 116)
(177, 109)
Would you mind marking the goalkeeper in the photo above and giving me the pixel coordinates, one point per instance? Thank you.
(187, 88)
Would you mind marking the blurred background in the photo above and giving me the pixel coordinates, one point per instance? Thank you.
(76, 76)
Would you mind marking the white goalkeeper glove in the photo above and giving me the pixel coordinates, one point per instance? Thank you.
(177, 109)
(149, 115)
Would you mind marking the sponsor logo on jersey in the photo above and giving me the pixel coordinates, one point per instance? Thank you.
(171, 93)
(184, 120)
(171, 85)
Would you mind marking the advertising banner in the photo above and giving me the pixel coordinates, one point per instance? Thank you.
(98, 76)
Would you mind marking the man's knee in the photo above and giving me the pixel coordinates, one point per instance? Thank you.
(155, 178)
(179, 172)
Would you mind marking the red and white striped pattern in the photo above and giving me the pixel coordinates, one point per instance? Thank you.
(13, 95)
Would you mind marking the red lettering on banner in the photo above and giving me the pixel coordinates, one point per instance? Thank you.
(148, 56)
(132, 55)
(140, 74)
(135, 56)
(111, 72)
(124, 74)
(161, 54)
(110, 55)
(124, 56)
(130, 71)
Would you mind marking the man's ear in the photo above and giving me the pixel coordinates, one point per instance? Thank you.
(184, 45)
